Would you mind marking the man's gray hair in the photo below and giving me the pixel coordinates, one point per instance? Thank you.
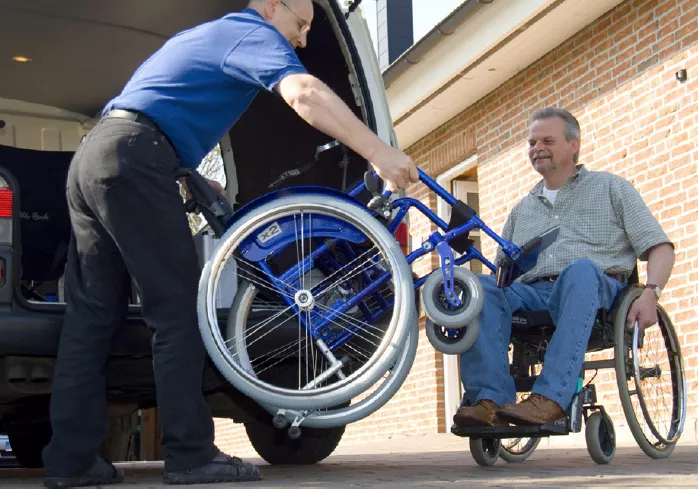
(572, 129)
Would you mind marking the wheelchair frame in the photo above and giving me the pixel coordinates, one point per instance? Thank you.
(529, 346)
(463, 220)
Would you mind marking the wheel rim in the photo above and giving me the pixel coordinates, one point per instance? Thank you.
(302, 215)
(491, 448)
(654, 353)
(656, 428)
(441, 301)
(607, 439)
(449, 335)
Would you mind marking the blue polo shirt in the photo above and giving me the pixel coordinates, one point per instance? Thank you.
(201, 81)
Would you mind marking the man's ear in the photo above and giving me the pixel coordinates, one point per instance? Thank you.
(271, 6)
(267, 8)
(576, 144)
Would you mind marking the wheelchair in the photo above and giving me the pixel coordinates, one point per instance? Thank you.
(323, 326)
(642, 361)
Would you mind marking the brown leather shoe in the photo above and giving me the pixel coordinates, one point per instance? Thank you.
(534, 410)
(483, 413)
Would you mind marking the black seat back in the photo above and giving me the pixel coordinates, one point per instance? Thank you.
(44, 222)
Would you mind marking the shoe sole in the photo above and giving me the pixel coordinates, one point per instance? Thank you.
(199, 480)
(80, 482)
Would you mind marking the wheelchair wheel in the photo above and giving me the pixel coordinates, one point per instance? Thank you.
(451, 341)
(600, 438)
(247, 306)
(327, 272)
(485, 451)
(519, 449)
(651, 379)
(468, 289)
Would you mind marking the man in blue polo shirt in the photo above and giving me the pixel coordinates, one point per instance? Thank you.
(128, 219)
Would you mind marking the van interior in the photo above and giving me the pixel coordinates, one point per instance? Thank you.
(62, 61)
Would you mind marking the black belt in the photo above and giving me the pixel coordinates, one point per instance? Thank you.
(138, 117)
(134, 116)
(617, 277)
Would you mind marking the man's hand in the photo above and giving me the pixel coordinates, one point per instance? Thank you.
(395, 168)
(644, 310)
(215, 185)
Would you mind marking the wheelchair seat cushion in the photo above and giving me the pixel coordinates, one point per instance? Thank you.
(528, 319)
(44, 222)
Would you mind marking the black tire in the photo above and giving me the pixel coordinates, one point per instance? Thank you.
(645, 430)
(27, 441)
(436, 305)
(600, 438)
(485, 451)
(451, 341)
(277, 448)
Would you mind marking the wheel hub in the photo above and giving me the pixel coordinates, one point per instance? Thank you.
(304, 300)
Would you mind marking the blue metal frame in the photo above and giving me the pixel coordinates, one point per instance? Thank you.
(344, 235)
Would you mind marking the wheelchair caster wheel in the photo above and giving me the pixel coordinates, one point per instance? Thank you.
(600, 438)
(438, 308)
(451, 341)
(294, 432)
(279, 421)
(485, 451)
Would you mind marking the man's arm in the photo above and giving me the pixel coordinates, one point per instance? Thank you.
(660, 262)
(320, 107)
(649, 242)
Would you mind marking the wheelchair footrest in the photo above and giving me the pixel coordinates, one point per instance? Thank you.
(557, 428)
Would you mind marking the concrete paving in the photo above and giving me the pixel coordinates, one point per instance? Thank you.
(441, 461)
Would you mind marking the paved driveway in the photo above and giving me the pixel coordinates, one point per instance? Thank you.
(441, 461)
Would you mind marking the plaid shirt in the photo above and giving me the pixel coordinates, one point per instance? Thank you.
(601, 216)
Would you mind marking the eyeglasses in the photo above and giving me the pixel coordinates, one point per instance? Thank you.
(304, 24)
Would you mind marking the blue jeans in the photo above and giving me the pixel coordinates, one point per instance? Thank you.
(573, 301)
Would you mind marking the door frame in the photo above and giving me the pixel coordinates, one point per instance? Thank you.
(453, 389)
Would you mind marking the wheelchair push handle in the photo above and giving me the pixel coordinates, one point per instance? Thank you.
(216, 210)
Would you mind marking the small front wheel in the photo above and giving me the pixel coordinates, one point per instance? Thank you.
(485, 451)
(451, 341)
(601, 438)
(469, 291)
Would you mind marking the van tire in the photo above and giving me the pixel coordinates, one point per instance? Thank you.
(277, 448)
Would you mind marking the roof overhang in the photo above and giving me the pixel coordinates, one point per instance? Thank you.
(476, 49)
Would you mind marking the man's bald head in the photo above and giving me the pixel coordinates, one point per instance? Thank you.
(292, 18)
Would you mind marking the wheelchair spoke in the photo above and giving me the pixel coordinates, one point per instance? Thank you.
(273, 355)
(359, 351)
(289, 347)
(258, 327)
(355, 323)
(263, 282)
(356, 270)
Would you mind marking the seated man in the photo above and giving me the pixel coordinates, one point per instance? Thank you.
(605, 226)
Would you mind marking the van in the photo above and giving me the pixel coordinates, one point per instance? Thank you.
(60, 64)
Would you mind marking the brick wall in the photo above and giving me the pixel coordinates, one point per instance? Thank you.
(618, 77)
